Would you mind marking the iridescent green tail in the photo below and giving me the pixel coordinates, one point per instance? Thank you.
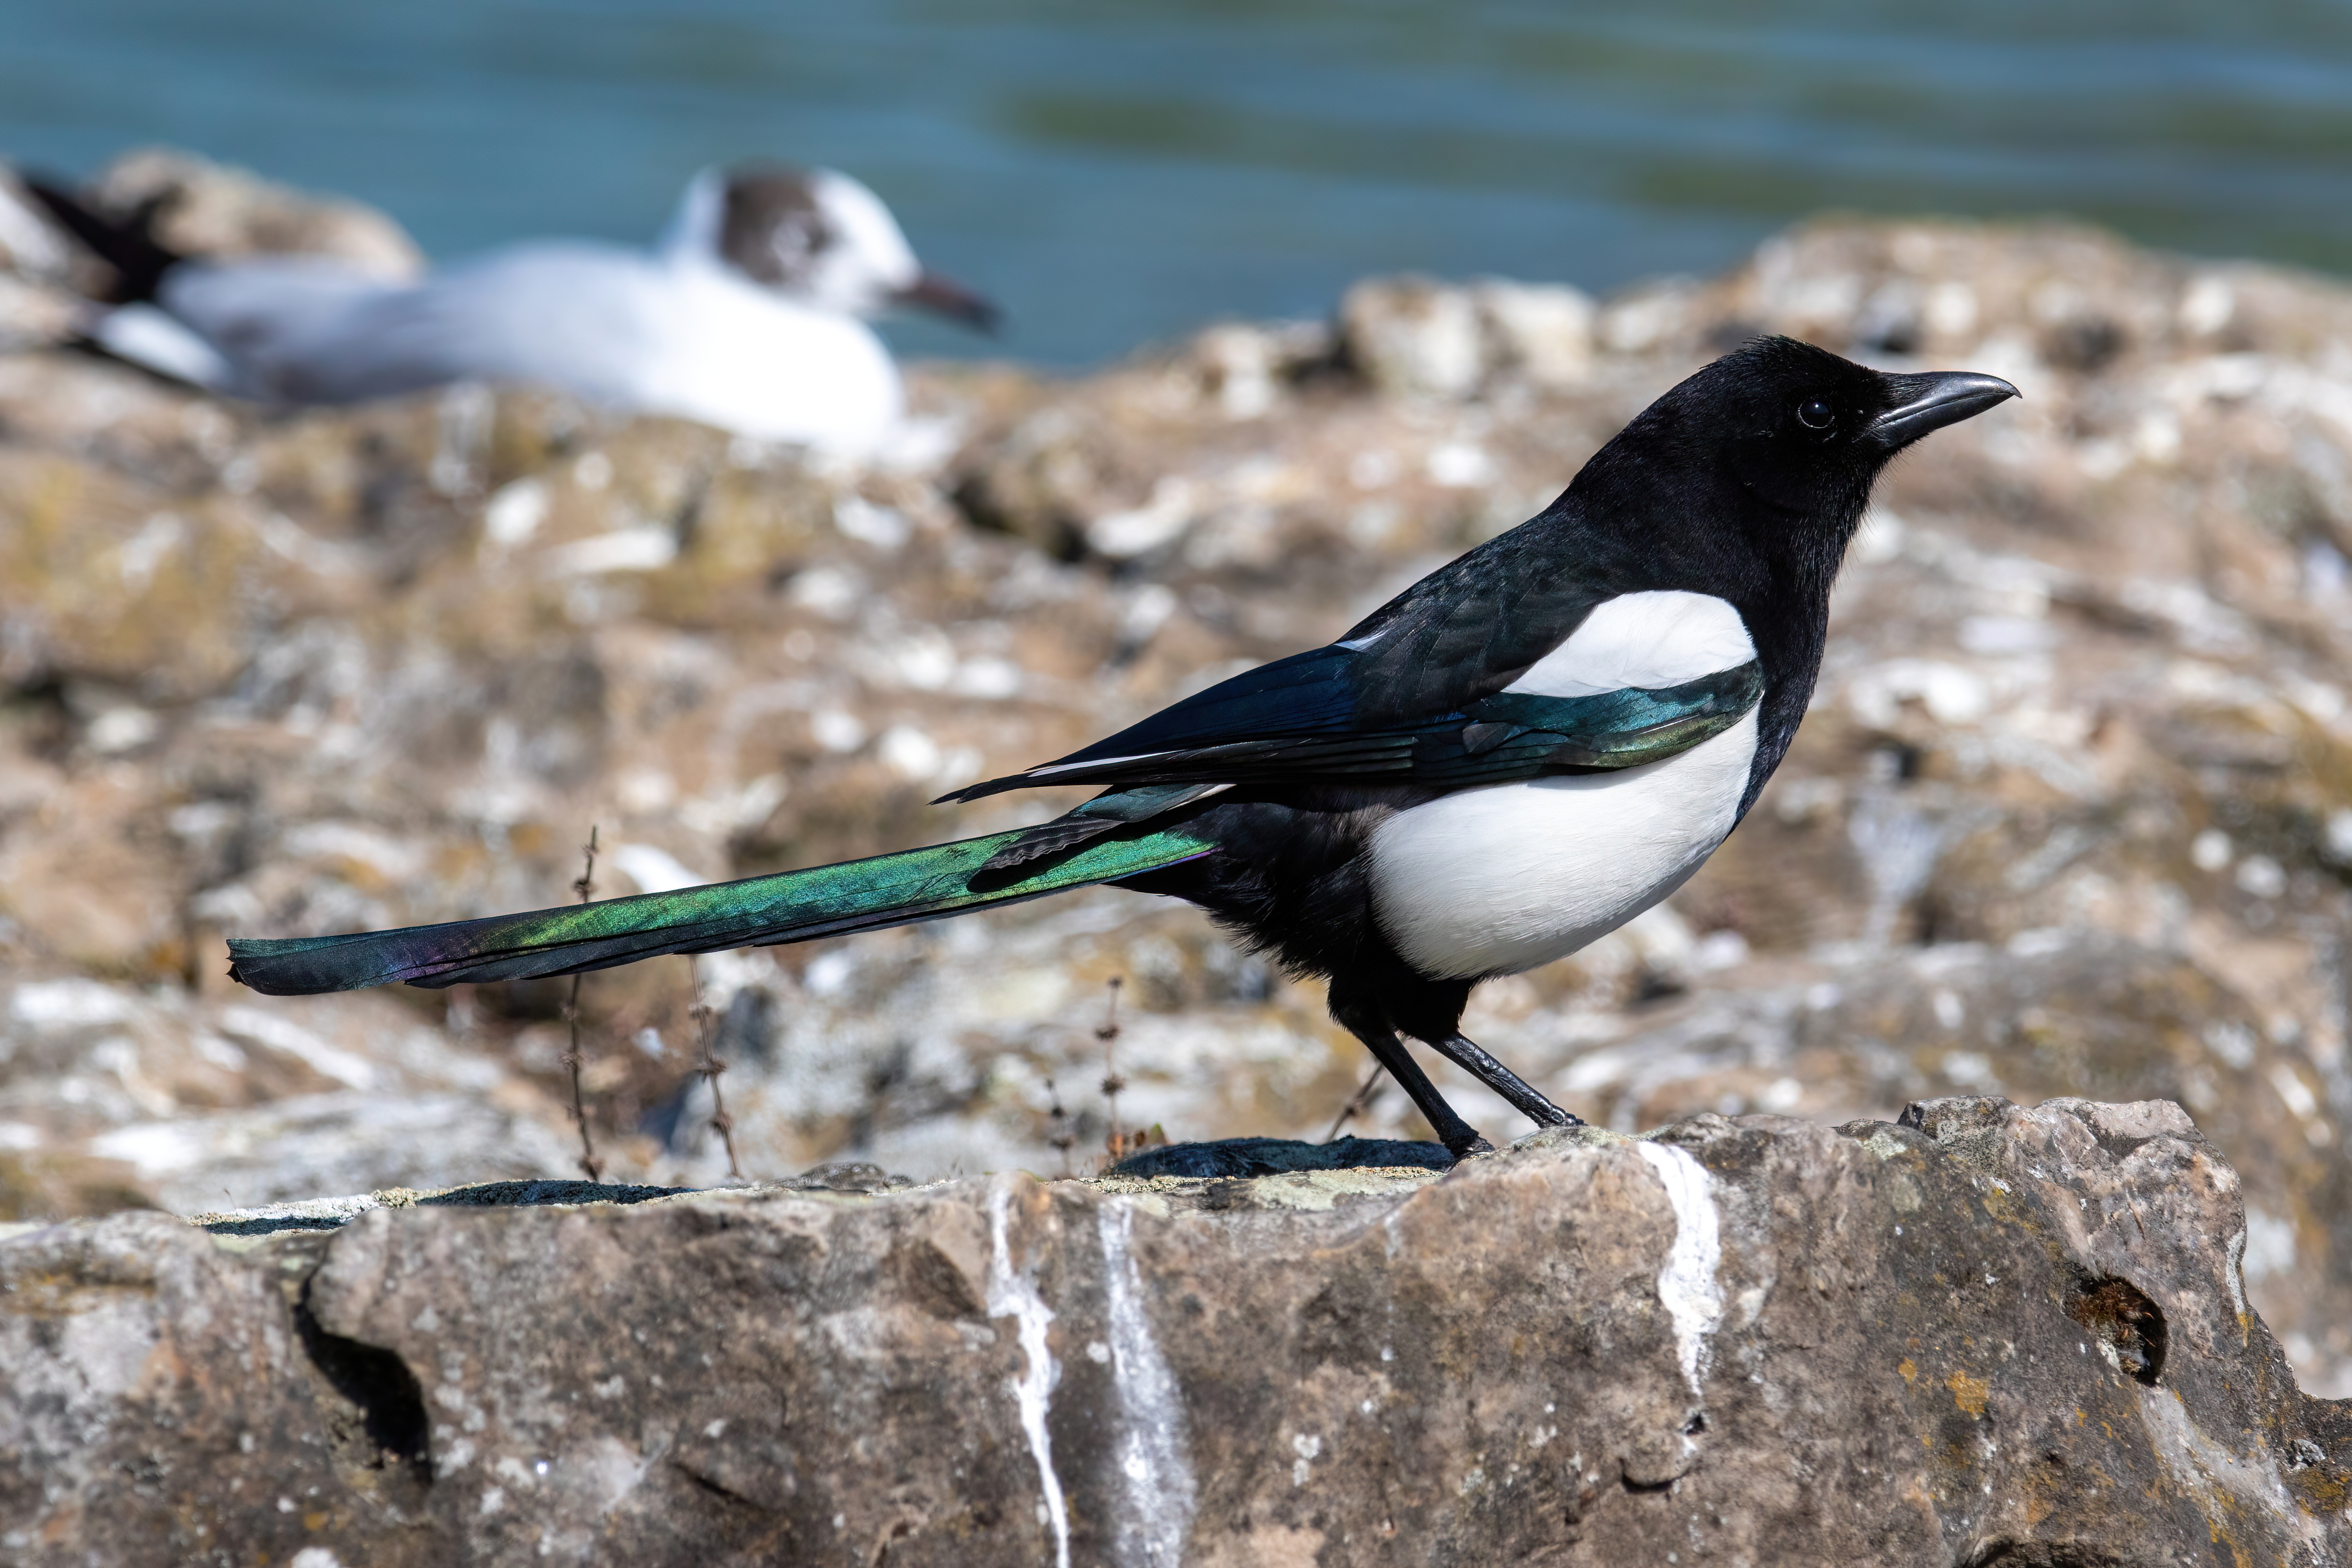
(789, 906)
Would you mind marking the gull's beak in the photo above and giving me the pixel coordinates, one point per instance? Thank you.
(1930, 401)
(946, 296)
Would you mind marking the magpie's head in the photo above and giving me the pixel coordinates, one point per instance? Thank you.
(1788, 439)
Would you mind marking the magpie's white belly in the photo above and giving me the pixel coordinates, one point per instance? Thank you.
(1500, 879)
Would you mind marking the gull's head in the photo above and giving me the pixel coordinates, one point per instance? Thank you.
(817, 236)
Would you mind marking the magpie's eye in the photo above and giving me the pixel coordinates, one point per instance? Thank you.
(1814, 413)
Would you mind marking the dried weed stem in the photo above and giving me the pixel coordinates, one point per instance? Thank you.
(1364, 1095)
(1061, 1137)
(1112, 1082)
(585, 886)
(711, 1067)
(1120, 1142)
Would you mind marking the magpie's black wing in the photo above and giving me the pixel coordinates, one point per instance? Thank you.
(1489, 740)
(1417, 692)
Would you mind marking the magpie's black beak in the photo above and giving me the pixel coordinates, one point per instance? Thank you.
(1930, 401)
(946, 296)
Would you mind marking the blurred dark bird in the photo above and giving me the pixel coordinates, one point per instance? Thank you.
(1516, 755)
(749, 315)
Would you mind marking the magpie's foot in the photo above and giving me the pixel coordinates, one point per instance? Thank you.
(1476, 1145)
(1522, 1096)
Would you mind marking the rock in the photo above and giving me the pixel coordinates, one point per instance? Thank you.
(1416, 338)
(34, 316)
(212, 209)
(31, 245)
(202, 1104)
(43, 275)
(1413, 336)
(1540, 332)
(1983, 1334)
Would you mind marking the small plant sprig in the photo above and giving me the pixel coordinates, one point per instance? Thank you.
(1358, 1103)
(1121, 1142)
(1061, 1137)
(585, 886)
(1112, 1083)
(710, 1068)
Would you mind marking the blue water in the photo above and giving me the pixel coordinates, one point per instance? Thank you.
(1116, 173)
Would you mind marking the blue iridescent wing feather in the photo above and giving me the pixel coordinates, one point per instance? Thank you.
(1490, 740)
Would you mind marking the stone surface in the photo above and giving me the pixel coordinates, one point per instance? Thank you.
(214, 210)
(1982, 1335)
(2072, 814)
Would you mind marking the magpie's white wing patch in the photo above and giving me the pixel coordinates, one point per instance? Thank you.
(1648, 642)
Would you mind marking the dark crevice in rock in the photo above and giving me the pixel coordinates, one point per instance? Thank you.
(1656, 986)
(2086, 344)
(932, 1283)
(845, 1175)
(900, 1531)
(390, 1401)
(2128, 1323)
(718, 1488)
(2044, 1554)
(1956, 1118)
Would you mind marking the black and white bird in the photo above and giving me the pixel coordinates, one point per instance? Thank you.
(1519, 754)
(749, 314)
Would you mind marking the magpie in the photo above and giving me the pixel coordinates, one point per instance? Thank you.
(1518, 754)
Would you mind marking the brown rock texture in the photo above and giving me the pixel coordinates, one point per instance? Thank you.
(2072, 815)
(212, 209)
(1981, 1336)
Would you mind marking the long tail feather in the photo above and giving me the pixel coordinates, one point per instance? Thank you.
(789, 906)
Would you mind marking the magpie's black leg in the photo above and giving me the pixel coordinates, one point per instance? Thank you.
(1365, 1020)
(1459, 1136)
(1466, 1055)
(1431, 1012)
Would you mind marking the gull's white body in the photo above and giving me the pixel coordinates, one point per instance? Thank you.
(1499, 879)
(674, 331)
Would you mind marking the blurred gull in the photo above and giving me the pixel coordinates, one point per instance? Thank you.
(748, 314)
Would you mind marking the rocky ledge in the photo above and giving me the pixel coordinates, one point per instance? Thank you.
(1983, 1334)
